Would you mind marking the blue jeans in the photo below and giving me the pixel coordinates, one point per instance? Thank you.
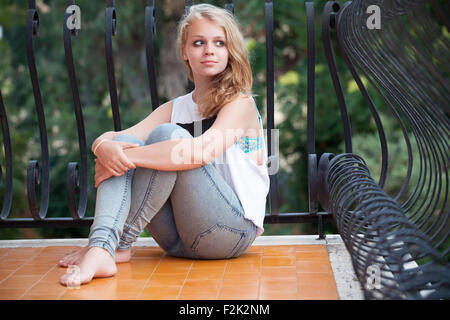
(189, 213)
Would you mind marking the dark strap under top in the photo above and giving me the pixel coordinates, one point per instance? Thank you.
(205, 125)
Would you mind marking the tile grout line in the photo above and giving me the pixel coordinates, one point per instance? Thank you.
(62, 293)
(221, 281)
(12, 271)
(15, 270)
(260, 273)
(185, 280)
(151, 275)
(34, 284)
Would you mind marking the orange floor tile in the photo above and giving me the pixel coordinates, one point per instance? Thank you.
(299, 272)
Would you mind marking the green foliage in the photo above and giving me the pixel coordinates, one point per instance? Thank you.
(128, 45)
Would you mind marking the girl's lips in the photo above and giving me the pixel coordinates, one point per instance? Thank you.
(209, 63)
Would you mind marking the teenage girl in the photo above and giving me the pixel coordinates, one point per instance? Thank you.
(193, 172)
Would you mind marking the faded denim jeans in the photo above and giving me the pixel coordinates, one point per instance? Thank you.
(189, 213)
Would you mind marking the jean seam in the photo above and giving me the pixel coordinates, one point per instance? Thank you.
(238, 245)
(249, 242)
(219, 226)
(127, 177)
(148, 192)
(234, 209)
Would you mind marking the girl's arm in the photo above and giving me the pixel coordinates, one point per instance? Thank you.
(231, 123)
(110, 153)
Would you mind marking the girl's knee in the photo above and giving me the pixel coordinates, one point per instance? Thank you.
(128, 138)
(167, 131)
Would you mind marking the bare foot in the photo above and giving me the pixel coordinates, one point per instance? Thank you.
(123, 256)
(96, 263)
(74, 258)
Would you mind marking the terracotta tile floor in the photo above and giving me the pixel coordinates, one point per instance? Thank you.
(263, 272)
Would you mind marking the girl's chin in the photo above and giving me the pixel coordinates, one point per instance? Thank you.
(205, 75)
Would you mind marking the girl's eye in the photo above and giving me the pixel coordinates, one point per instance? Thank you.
(198, 43)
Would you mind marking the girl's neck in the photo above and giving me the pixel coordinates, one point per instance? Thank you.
(200, 89)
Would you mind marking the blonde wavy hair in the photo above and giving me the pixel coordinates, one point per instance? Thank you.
(237, 76)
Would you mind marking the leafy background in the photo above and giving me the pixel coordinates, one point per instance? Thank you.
(135, 104)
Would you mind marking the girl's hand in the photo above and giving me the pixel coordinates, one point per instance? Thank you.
(113, 159)
(101, 173)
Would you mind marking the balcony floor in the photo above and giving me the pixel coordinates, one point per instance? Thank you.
(266, 271)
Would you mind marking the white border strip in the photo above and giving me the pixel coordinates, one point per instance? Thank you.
(150, 242)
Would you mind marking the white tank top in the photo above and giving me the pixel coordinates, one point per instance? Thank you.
(249, 180)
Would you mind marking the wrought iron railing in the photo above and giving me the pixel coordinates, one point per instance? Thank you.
(398, 243)
(77, 175)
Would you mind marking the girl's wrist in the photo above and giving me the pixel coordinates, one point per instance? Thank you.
(98, 145)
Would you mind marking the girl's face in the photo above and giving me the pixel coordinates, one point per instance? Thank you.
(206, 49)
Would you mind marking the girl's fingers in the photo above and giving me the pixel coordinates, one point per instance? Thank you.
(130, 145)
(124, 161)
(119, 167)
(127, 164)
(112, 168)
(114, 172)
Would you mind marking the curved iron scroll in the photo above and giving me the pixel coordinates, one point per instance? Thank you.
(399, 245)
(150, 30)
(329, 20)
(272, 158)
(187, 7)
(75, 178)
(311, 147)
(384, 245)
(33, 171)
(111, 30)
(7, 197)
(229, 6)
(370, 104)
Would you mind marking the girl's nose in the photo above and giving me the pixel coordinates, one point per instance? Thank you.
(208, 50)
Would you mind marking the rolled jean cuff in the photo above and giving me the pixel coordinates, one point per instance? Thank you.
(123, 246)
(103, 244)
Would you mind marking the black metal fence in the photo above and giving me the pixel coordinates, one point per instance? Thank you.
(398, 243)
(77, 174)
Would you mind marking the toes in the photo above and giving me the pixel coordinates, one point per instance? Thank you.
(66, 260)
(71, 279)
(71, 258)
(63, 262)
